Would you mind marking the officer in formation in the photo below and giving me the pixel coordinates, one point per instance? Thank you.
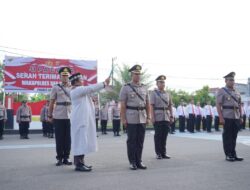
(135, 115)
(23, 118)
(47, 126)
(59, 113)
(162, 116)
(216, 119)
(198, 111)
(248, 114)
(104, 119)
(208, 109)
(116, 119)
(3, 119)
(181, 111)
(228, 102)
(244, 116)
(191, 116)
(97, 114)
(173, 124)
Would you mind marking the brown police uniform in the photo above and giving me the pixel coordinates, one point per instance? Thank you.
(61, 117)
(116, 120)
(162, 104)
(230, 101)
(23, 118)
(136, 118)
(3, 117)
(97, 116)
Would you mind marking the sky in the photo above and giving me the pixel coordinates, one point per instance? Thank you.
(193, 42)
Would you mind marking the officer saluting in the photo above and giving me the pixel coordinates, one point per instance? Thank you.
(135, 112)
(60, 97)
(162, 116)
(228, 103)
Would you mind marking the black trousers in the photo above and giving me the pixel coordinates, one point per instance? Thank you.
(96, 123)
(116, 126)
(45, 127)
(136, 135)
(198, 123)
(63, 140)
(24, 128)
(204, 128)
(249, 123)
(243, 126)
(50, 128)
(229, 136)
(182, 123)
(104, 125)
(191, 122)
(1, 127)
(209, 123)
(160, 137)
(216, 123)
(172, 126)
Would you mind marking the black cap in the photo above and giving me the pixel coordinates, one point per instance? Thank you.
(64, 71)
(161, 78)
(230, 75)
(135, 69)
(75, 76)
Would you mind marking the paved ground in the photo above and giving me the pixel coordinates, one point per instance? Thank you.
(197, 163)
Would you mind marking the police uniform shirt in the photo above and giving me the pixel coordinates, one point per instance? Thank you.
(208, 110)
(104, 114)
(191, 109)
(97, 114)
(61, 111)
(225, 99)
(23, 113)
(44, 113)
(157, 102)
(3, 113)
(116, 113)
(131, 99)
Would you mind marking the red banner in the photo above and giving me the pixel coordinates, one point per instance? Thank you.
(38, 75)
(36, 107)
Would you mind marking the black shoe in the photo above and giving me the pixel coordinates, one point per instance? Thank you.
(105, 133)
(236, 158)
(67, 162)
(165, 156)
(158, 156)
(26, 137)
(118, 135)
(230, 158)
(133, 166)
(82, 168)
(59, 163)
(141, 166)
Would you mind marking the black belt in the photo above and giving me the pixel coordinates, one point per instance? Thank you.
(136, 108)
(160, 108)
(229, 107)
(63, 103)
(116, 116)
(24, 116)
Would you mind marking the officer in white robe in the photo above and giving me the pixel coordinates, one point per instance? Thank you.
(83, 126)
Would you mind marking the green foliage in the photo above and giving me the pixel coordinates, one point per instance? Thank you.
(38, 97)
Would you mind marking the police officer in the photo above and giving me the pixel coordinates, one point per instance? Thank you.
(135, 114)
(162, 116)
(23, 118)
(208, 109)
(216, 119)
(59, 113)
(116, 119)
(104, 119)
(182, 116)
(228, 102)
(44, 118)
(3, 119)
(198, 112)
(244, 116)
(191, 116)
(97, 114)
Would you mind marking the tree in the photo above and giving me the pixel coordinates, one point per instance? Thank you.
(122, 76)
(38, 97)
(203, 96)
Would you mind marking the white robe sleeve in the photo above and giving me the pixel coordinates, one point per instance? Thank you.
(86, 90)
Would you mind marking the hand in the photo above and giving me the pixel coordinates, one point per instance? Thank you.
(222, 121)
(124, 122)
(107, 81)
(148, 121)
(50, 120)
